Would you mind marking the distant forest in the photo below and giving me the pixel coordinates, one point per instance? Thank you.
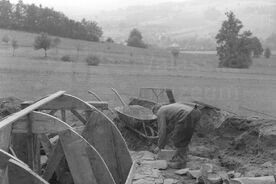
(37, 19)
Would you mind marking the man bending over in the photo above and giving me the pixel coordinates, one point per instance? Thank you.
(179, 121)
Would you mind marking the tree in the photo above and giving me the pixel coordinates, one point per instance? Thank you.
(256, 47)
(135, 39)
(233, 48)
(42, 41)
(267, 53)
(6, 39)
(14, 45)
(56, 41)
(78, 47)
(175, 54)
(5, 14)
(37, 19)
(110, 40)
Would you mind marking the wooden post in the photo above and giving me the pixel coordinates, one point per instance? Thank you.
(63, 115)
(37, 166)
(33, 147)
(30, 141)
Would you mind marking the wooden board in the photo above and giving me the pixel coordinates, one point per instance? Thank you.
(19, 173)
(5, 137)
(4, 159)
(101, 133)
(131, 173)
(12, 118)
(85, 163)
(42, 123)
(54, 159)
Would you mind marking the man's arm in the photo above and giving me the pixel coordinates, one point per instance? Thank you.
(162, 130)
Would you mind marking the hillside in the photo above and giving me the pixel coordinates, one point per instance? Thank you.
(169, 22)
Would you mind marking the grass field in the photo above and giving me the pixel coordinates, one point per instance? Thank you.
(29, 76)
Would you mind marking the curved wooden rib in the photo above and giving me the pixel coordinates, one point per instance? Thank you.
(4, 159)
(85, 163)
(19, 173)
(108, 141)
(66, 102)
(105, 137)
(41, 123)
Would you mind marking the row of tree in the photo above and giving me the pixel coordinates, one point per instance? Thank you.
(37, 19)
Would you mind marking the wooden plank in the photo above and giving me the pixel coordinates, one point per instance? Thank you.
(12, 118)
(52, 112)
(85, 163)
(77, 159)
(4, 158)
(101, 133)
(75, 113)
(42, 123)
(53, 161)
(68, 102)
(5, 137)
(45, 142)
(19, 144)
(37, 164)
(63, 115)
(5, 178)
(30, 140)
(19, 173)
(131, 173)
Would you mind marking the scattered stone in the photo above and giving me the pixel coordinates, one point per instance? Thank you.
(207, 168)
(182, 171)
(267, 164)
(194, 174)
(170, 181)
(253, 180)
(159, 181)
(138, 176)
(157, 164)
(148, 156)
(142, 181)
(237, 175)
(231, 174)
(216, 180)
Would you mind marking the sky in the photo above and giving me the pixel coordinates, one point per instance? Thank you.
(78, 8)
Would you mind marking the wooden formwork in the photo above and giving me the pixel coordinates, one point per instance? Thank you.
(96, 152)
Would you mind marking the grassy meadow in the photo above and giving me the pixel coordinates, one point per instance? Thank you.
(29, 76)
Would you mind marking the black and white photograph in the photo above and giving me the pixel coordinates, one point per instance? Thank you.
(138, 92)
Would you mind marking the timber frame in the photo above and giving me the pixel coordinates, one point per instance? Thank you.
(24, 133)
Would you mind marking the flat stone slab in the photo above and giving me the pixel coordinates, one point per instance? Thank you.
(170, 181)
(182, 171)
(194, 173)
(156, 164)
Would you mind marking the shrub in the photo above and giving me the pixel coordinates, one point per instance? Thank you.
(92, 60)
(66, 58)
(6, 39)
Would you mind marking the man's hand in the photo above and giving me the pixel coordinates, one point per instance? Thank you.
(156, 150)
